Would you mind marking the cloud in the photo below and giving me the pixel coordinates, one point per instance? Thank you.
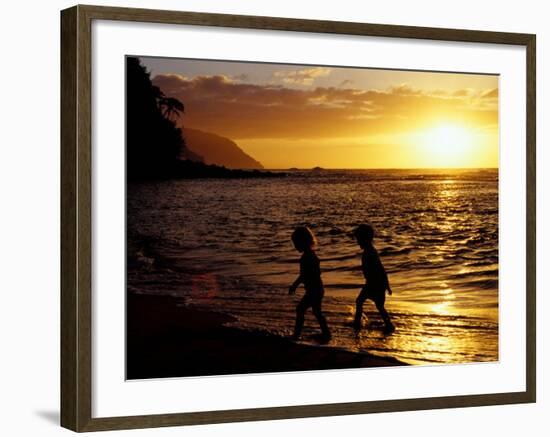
(239, 110)
(240, 77)
(304, 76)
(490, 94)
(461, 93)
(405, 90)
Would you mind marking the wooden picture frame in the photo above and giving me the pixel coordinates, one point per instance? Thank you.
(76, 217)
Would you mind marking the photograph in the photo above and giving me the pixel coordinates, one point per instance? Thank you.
(298, 218)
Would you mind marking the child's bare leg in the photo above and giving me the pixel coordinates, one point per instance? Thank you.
(359, 308)
(385, 316)
(300, 316)
(321, 319)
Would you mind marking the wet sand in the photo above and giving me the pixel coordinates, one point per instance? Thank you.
(166, 339)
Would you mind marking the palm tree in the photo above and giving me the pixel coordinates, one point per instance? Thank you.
(170, 107)
(154, 142)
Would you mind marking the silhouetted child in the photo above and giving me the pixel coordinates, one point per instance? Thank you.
(310, 276)
(376, 279)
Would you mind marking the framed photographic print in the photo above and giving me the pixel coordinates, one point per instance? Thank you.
(267, 218)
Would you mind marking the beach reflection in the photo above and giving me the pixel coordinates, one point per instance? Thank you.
(434, 337)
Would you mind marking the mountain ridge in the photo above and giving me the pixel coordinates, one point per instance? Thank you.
(216, 149)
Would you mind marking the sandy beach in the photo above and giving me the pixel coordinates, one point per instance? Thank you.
(166, 339)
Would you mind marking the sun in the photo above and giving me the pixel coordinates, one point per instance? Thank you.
(447, 144)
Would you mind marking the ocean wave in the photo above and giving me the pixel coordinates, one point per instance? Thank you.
(226, 246)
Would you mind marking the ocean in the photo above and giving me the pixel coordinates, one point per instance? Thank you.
(224, 245)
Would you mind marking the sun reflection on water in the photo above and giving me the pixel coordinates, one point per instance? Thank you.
(438, 240)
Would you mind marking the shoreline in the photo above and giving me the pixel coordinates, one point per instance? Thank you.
(166, 339)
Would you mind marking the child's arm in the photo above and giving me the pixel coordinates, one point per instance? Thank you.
(295, 284)
(390, 292)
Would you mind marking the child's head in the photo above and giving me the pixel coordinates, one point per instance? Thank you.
(364, 234)
(303, 238)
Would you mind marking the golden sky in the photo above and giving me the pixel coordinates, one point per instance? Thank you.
(334, 117)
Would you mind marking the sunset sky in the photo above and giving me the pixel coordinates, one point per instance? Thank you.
(306, 116)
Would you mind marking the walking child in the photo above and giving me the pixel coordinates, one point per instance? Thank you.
(310, 275)
(376, 279)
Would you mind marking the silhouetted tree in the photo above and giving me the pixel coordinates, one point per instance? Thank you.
(154, 144)
(153, 140)
(170, 107)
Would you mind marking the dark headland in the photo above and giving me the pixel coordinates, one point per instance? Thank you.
(156, 147)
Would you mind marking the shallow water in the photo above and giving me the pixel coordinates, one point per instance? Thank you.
(225, 245)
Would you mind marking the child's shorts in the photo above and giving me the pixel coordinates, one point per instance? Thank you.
(374, 293)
